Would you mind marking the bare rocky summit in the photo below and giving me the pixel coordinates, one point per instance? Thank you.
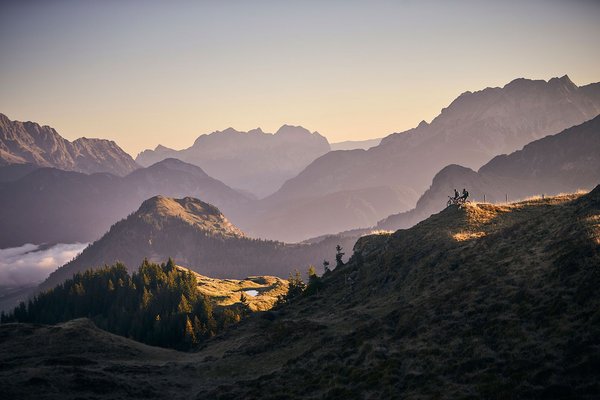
(28, 142)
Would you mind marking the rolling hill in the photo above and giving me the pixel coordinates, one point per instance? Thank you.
(484, 301)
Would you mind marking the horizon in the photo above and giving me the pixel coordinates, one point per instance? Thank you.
(144, 74)
(134, 155)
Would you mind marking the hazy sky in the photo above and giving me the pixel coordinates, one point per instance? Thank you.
(144, 73)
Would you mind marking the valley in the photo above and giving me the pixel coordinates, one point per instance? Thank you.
(283, 200)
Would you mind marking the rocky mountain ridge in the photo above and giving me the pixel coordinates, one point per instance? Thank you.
(28, 142)
(565, 162)
(254, 161)
(474, 128)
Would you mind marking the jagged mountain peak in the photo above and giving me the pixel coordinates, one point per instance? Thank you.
(29, 142)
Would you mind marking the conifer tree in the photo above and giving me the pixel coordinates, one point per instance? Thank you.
(338, 256)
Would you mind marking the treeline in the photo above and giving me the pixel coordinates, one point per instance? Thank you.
(214, 256)
(157, 305)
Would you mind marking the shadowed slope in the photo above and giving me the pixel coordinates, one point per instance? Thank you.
(480, 302)
(564, 162)
(196, 235)
(474, 128)
(50, 205)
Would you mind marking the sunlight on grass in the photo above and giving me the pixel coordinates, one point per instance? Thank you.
(462, 236)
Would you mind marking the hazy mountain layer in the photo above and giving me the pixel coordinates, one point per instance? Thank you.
(254, 161)
(470, 131)
(28, 142)
(561, 163)
(196, 235)
(487, 301)
(54, 206)
(355, 144)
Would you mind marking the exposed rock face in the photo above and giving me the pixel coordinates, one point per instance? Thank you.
(28, 142)
(565, 162)
(254, 161)
(470, 131)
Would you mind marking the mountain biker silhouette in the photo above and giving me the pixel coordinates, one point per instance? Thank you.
(458, 199)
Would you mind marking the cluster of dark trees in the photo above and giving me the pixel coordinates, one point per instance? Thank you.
(158, 305)
(297, 287)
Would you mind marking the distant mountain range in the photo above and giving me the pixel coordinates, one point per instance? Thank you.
(355, 144)
(339, 191)
(196, 235)
(470, 131)
(49, 205)
(28, 142)
(561, 163)
(254, 161)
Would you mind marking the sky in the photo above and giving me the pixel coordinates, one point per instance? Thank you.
(148, 72)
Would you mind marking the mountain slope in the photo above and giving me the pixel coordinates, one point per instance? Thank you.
(470, 131)
(50, 205)
(254, 161)
(28, 142)
(196, 235)
(565, 162)
(486, 301)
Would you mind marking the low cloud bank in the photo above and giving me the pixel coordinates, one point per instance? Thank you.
(30, 264)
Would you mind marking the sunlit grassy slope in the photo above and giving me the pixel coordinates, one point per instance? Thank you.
(261, 292)
(485, 301)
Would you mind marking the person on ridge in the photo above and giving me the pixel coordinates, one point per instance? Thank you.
(465, 194)
(456, 195)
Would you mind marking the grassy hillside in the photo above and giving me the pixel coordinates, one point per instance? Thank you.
(261, 292)
(486, 301)
(197, 235)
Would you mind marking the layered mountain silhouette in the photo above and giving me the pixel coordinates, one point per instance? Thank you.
(53, 206)
(28, 142)
(470, 131)
(484, 301)
(196, 235)
(355, 144)
(254, 161)
(561, 163)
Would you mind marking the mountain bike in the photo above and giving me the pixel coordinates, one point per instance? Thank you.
(456, 201)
